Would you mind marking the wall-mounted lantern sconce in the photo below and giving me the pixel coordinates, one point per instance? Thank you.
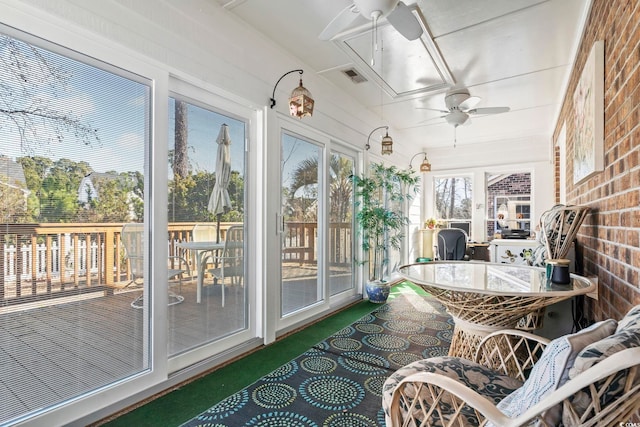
(387, 141)
(425, 166)
(300, 101)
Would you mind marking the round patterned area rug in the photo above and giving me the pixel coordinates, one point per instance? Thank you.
(338, 382)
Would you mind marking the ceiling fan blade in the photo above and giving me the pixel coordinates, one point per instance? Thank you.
(339, 23)
(433, 109)
(432, 118)
(489, 110)
(405, 22)
(470, 102)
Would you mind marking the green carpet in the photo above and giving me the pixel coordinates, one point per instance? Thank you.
(190, 400)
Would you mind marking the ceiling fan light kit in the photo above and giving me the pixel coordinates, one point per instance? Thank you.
(460, 105)
(456, 118)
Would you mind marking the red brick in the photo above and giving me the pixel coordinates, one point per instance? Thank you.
(609, 239)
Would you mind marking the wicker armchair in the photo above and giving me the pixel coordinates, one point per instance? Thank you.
(450, 391)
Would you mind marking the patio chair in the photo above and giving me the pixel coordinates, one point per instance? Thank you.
(205, 233)
(230, 263)
(132, 238)
(590, 378)
(452, 244)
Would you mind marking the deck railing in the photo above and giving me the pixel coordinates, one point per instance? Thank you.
(43, 261)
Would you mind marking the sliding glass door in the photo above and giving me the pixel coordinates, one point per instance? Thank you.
(314, 226)
(340, 238)
(301, 199)
(206, 200)
(208, 219)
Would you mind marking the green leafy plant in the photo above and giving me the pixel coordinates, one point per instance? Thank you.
(380, 196)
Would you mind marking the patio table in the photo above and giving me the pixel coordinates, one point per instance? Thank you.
(485, 297)
(200, 249)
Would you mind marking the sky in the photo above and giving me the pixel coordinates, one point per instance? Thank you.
(114, 105)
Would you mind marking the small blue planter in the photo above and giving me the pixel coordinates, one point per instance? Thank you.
(377, 291)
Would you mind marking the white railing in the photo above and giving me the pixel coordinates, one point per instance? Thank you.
(86, 259)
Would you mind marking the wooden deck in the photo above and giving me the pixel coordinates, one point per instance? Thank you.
(51, 353)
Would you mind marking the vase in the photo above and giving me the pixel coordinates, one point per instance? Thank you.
(377, 291)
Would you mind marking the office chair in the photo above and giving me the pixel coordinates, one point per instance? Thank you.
(452, 244)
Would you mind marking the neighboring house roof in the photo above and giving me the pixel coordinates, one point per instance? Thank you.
(14, 174)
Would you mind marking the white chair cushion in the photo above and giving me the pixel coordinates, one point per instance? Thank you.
(552, 370)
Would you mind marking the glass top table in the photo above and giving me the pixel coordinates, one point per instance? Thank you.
(485, 297)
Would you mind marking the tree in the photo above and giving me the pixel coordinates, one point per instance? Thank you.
(381, 220)
(35, 169)
(181, 161)
(58, 205)
(31, 85)
(112, 203)
(340, 187)
(59, 192)
(14, 202)
(453, 198)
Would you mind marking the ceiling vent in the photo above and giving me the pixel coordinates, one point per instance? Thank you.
(355, 76)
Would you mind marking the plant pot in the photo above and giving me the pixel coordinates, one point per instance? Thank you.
(377, 291)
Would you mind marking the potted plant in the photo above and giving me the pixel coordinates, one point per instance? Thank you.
(431, 223)
(380, 218)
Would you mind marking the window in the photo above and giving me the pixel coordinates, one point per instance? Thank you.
(73, 134)
(453, 201)
(508, 202)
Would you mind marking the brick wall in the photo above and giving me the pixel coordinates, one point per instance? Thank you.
(608, 241)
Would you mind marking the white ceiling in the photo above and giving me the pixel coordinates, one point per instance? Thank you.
(515, 53)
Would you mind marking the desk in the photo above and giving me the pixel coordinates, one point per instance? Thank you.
(486, 297)
(200, 249)
(478, 251)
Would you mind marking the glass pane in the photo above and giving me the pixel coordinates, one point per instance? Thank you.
(72, 143)
(508, 203)
(300, 182)
(206, 224)
(340, 242)
(453, 198)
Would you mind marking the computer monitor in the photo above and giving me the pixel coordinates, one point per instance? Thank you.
(466, 226)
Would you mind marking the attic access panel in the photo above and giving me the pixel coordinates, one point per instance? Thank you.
(400, 66)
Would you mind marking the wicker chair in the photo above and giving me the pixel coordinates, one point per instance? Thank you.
(450, 391)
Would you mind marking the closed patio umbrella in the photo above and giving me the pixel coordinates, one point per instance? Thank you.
(219, 201)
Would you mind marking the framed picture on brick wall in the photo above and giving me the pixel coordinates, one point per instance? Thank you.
(588, 103)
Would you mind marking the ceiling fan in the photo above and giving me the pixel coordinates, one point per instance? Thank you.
(460, 105)
(396, 12)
